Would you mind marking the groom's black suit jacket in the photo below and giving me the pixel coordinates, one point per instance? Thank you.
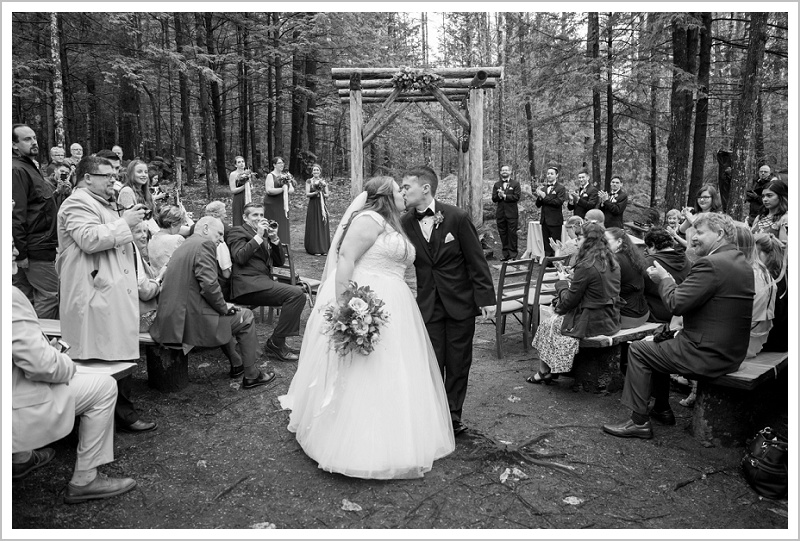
(455, 271)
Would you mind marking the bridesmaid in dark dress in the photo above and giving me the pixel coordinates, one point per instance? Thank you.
(276, 199)
(241, 191)
(318, 231)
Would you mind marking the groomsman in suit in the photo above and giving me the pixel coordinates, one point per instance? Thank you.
(192, 311)
(613, 204)
(716, 302)
(550, 198)
(506, 193)
(585, 198)
(255, 247)
(454, 283)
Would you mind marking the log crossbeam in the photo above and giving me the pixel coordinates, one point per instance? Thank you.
(452, 139)
(383, 111)
(449, 107)
(382, 125)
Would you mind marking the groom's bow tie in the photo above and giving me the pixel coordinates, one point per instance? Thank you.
(420, 215)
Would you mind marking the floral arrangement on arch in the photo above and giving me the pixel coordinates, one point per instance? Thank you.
(414, 79)
(354, 323)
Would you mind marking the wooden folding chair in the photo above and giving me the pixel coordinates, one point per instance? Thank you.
(288, 275)
(513, 289)
(544, 290)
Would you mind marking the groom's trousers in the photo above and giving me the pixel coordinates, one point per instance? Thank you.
(452, 343)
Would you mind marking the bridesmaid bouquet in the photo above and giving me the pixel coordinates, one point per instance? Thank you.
(286, 179)
(354, 324)
(318, 185)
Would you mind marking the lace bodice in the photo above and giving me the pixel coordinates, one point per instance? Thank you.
(391, 254)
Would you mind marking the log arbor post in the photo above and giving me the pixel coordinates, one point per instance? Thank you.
(356, 137)
(475, 105)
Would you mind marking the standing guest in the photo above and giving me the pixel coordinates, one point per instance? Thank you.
(47, 395)
(116, 149)
(773, 253)
(61, 181)
(239, 183)
(588, 305)
(98, 279)
(550, 198)
(191, 309)
(136, 189)
(167, 239)
(613, 204)
(773, 218)
(57, 158)
(33, 225)
(506, 193)
(317, 239)
(631, 267)
(116, 165)
(754, 194)
(454, 284)
(279, 186)
(716, 302)
(255, 249)
(707, 200)
(75, 154)
(659, 247)
(585, 198)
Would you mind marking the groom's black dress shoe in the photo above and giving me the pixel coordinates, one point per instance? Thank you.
(283, 354)
(629, 429)
(459, 428)
(237, 371)
(665, 417)
(262, 379)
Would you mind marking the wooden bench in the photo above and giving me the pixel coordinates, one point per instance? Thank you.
(731, 408)
(167, 367)
(596, 365)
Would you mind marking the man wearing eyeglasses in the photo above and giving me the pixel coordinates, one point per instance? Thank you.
(33, 225)
(115, 165)
(99, 294)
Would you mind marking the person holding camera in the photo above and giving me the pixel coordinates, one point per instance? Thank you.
(255, 248)
(99, 293)
(191, 310)
(239, 183)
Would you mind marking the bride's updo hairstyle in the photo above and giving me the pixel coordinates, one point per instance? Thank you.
(380, 199)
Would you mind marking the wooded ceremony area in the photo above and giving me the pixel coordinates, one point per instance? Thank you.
(667, 101)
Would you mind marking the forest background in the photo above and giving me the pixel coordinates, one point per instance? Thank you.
(651, 97)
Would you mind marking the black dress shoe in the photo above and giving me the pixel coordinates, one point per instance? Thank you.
(282, 354)
(665, 417)
(237, 371)
(629, 429)
(459, 428)
(138, 426)
(262, 379)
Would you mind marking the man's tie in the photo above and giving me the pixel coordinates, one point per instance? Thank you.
(420, 215)
(550, 187)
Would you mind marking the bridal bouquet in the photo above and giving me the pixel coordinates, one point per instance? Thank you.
(354, 324)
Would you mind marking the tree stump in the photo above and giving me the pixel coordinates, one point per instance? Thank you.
(597, 369)
(167, 368)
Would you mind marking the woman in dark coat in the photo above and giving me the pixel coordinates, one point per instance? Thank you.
(587, 305)
(661, 247)
(632, 264)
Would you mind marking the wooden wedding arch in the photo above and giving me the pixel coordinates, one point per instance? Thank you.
(460, 91)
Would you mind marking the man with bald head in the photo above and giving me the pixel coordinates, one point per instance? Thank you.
(753, 195)
(193, 312)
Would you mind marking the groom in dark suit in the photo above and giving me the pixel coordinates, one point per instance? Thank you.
(453, 281)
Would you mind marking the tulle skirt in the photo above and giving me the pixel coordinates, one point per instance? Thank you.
(380, 416)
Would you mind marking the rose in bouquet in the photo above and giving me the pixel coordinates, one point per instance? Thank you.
(354, 324)
(318, 185)
(286, 179)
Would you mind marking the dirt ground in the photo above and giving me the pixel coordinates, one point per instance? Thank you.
(222, 458)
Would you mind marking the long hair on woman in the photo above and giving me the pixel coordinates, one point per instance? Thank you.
(716, 200)
(781, 189)
(774, 254)
(626, 247)
(142, 191)
(746, 243)
(380, 198)
(595, 248)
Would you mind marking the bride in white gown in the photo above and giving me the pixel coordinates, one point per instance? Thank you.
(383, 415)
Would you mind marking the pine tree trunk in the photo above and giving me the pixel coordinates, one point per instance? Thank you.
(593, 50)
(609, 103)
(744, 127)
(58, 91)
(186, 119)
(241, 85)
(298, 111)
(205, 113)
(69, 128)
(311, 109)
(216, 106)
(701, 115)
(277, 68)
(654, 83)
(761, 158)
(528, 109)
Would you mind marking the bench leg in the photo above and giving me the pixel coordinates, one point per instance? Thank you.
(167, 369)
(727, 417)
(597, 369)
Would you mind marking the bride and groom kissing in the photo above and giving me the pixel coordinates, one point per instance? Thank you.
(391, 413)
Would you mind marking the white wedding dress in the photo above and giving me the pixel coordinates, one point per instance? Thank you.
(383, 415)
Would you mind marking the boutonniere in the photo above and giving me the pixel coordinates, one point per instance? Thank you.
(438, 218)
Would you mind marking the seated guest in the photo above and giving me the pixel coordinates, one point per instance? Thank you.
(766, 288)
(216, 209)
(192, 312)
(673, 227)
(47, 395)
(631, 267)
(587, 305)
(255, 247)
(148, 280)
(167, 239)
(659, 247)
(772, 252)
(569, 247)
(716, 302)
(594, 216)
